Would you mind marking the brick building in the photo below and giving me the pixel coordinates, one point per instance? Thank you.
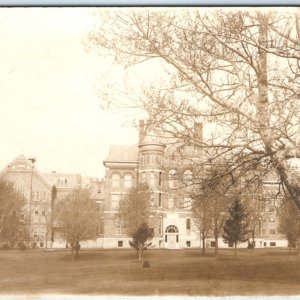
(156, 163)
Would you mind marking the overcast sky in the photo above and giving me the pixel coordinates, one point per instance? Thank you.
(48, 102)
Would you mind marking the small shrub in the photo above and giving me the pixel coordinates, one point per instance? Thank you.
(146, 264)
(6, 246)
(22, 246)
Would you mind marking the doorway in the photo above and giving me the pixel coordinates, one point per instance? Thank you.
(171, 237)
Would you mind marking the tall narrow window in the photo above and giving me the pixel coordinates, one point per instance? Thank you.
(115, 180)
(187, 177)
(188, 223)
(115, 200)
(128, 181)
(160, 199)
(160, 178)
(171, 202)
(172, 179)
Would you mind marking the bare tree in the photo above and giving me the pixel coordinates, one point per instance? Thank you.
(289, 224)
(236, 71)
(135, 208)
(202, 218)
(78, 218)
(11, 202)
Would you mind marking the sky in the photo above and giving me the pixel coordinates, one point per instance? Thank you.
(49, 106)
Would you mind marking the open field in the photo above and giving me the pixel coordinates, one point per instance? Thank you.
(172, 272)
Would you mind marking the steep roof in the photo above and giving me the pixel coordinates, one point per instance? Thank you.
(123, 153)
(23, 164)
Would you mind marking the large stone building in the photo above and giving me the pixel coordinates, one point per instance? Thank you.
(35, 187)
(156, 163)
(152, 161)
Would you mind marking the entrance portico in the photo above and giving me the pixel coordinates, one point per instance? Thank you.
(171, 237)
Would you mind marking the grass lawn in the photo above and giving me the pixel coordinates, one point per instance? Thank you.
(172, 272)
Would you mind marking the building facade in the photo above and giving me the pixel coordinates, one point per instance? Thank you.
(168, 175)
(153, 162)
(36, 228)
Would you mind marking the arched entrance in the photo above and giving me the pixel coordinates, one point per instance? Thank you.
(171, 237)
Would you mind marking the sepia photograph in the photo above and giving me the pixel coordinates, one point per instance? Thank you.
(149, 152)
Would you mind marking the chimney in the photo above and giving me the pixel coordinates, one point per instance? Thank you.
(197, 134)
(141, 130)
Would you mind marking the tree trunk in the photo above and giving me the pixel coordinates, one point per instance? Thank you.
(235, 248)
(298, 239)
(203, 244)
(216, 245)
(72, 253)
(139, 255)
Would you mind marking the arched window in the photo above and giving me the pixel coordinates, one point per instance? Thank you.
(115, 180)
(20, 188)
(128, 181)
(187, 203)
(188, 177)
(171, 229)
(172, 179)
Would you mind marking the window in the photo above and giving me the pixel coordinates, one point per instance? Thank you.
(171, 202)
(115, 200)
(160, 226)
(160, 178)
(188, 243)
(172, 179)
(115, 180)
(35, 232)
(152, 179)
(44, 196)
(272, 231)
(172, 229)
(187, 203)
(36, 212)
(20, 187)
(158, 159)
(37, 197)
(188, 223)
(212, 244)
(62, 182)
(265, 244)
(120, 228)
(41, 244)
(187, 177)
(272, 244)
(128, 181)
(120, 244)
(160, 199)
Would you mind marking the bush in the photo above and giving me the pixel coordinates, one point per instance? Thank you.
(6, 246)
(22, 246)
(146, 264)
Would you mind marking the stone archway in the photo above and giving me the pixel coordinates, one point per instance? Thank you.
(171, 237)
